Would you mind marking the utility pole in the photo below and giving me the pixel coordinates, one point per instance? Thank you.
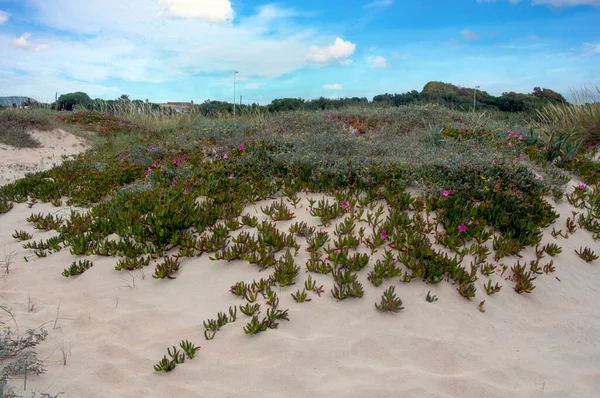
(240, 101)
(474, 96)
(235, 73)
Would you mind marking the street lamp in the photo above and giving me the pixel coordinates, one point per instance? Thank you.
(474, 94)
(235, 73)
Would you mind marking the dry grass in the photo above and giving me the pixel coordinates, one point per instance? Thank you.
(581, 119)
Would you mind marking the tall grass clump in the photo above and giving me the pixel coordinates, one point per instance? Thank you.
(580, 121)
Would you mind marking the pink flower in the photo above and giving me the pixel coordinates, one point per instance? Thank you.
(153, 147)
(154, 163)
(173, 184)
(231, 176)
(225, 156)
(329, 117)
(462, 227)
(598, 157)
(344, 204)
(183, 157)
(446, 193)
(241, 147)
(510, 133)
(520, 137)
(519, 159)
(175, 160)
(494, 161)
(197, 180)
(148, 170)
(383, 234)
(185, 191)
(582, 186)
(509, 143)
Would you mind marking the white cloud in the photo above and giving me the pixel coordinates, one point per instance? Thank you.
(396, 55)
(554, 3)
(346, 62)
(379, 3)
(592, 48)
(339, 50)
(208, 10)
(469, 34)
(335, 86)
(23, 43)
(252, 86)
(377, 62)
(3, 17)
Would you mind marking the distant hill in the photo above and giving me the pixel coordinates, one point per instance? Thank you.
(8, 101)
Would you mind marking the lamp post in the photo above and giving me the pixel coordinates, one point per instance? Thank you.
(235, 73)
(474, 95)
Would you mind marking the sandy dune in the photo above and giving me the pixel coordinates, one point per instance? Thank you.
(115, 326)
(16, 162)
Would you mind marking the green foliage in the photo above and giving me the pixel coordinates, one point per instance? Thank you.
(77, 268)
(389, 301)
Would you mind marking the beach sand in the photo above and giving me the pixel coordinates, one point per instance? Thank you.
(114, 326)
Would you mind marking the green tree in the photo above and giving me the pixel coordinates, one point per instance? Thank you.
(67, 102)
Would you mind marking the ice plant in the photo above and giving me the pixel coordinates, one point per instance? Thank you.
(329, 117)
(582, 186)
(153, 147)
(155, 163)
(241, 147)
(446, 193)
(231, 176)
(225, 156)
(344, 204)
(173, 184)
(383, 234)
(462, 227)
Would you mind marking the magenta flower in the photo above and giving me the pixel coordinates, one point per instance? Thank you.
(183, 157)
(494, 161)
(152, 147)
(462, 227)
(231, 176)
(344, 204)
(241, 147)
(582, 186)
(329, 117)
(173, 184)
(148, 170)
(197, 180)
(520, 137)
(154, 163)
(225, 156)
(185, 191)
(598, 157)
(509, 143)
(510, 133)
(383, 234)
(175, 160)
(445, 193)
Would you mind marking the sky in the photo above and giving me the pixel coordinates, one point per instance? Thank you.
(183, 50)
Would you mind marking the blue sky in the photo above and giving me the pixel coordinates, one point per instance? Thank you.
(181, 50)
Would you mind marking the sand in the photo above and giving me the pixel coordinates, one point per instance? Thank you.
(16, 162)
(115, 326)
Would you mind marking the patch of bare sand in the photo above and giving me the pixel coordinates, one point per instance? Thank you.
(16, 162)
(116, 325)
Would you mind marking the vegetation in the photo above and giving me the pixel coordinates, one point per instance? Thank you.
(473, 191)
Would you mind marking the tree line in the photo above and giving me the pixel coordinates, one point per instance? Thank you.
(433, 92)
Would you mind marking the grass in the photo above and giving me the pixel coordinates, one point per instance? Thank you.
(430, 211)
(581, 120)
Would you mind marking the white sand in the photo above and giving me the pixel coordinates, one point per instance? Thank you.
(540, 345)
(16, 162)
